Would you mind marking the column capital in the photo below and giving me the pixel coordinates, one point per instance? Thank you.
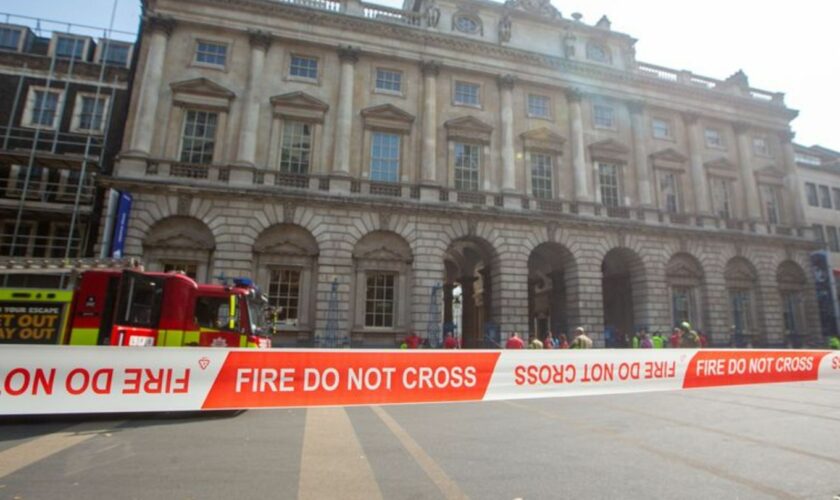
(260, 39)
(741, 127)
(506, 81)
(159, 23)
(347, 53)
(636, 106)
(786, 136)
(690, 118)
(430, 68)
(574, 95)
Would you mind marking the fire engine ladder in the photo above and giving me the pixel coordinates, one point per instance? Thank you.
(433, 327)
(330, 339)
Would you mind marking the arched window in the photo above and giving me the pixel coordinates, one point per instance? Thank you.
(180, 244)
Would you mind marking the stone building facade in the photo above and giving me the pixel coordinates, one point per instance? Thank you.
(362, 162)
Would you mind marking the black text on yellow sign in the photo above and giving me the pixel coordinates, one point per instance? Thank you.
(30, 323)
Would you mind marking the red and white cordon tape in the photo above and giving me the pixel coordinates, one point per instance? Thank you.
(65, 379)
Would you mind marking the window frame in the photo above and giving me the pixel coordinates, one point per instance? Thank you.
(305, 79)
(549, 115)
(76, 121)
(374, 134)
(298, 300)
(766, 151)
(613, 125)
(727, 184)
(56, 38)
(380, 90)
(285, 124)
(478, 94)
(617, 187)
(669, 128)
(721, 144)
(825, 197)
(836, 194)
(21, 41)
(819, 233)
(663, 174)
(214, 141)
(29, 109)
(832, 239)
(812, 194)
(771, 195)
(393, 301)
(207, 64)
(549, 179)
(105, 44)
(455, 168)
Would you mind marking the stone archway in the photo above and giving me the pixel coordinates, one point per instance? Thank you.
(622, 285)
(286, 269)
(471, 266)
(180, 244)
(551, 274)
(686, 280)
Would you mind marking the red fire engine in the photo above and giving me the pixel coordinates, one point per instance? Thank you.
(130, 308)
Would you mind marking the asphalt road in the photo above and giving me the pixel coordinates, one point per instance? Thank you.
(780, 441)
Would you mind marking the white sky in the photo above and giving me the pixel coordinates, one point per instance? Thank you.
(782, 46)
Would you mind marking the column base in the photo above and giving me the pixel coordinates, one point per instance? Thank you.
(340, 183)
(430, 193)
(512, 201)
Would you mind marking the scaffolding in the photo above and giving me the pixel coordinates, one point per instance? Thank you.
(34, 149)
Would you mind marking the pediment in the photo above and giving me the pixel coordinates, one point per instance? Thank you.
(468, 128)
(179, 241)
(202, 86)
(543, 138)
(382, 253)
(387, 112)
(300, 100)
(468, 123)
(720, 163)
(285, 247)
(669, 154)
(611, 147)
(542, 8)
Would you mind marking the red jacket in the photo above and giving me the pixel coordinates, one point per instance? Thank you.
(515, 343)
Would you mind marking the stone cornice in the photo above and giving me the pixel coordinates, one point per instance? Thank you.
(461, 44)
(158, 23)
(260, 39)
(488, 213)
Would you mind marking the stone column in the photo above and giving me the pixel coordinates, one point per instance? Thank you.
(159, 29)
(753, 206)
(698, 172)
(428, 174)
(640, 156)
(344, 123)
(582, 177)
(246, 155)
(792, 183)
(506, 83)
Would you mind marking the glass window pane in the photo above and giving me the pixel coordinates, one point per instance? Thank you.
(541, 175)
(304, 67)
(211, 53)
(385, 157)
(199, 137)
(9, 38)
(467, 161)
(284, 294)
(389, 80)
(609, 183)
(467, 93)
(380, 302)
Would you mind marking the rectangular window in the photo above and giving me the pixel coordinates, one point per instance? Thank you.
(608, 180)
(811, 191)
(807, 159)
(836, 192)
(388, 80)
(45, 108)
(199, 137)
(721, 197)
(9, 39)
(539, 106)
(90, 117)
(541, 178)
(603, 116)
(70, 47)
(296, 148)
(467, 93)
(669, 190)
(761, 146)
(770, 197)
(467, 164)
(23, 242)
(833, 242)
(819, 233)
(825, 197)
(304, 67)
(211, 53)
(661, 128)
(741, 301)
(682, 299)
(115, 53)
(792, 312)
(379, 300)
(284, 294)
(713, 138)
(385, 157)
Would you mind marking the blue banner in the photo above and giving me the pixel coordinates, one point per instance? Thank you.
(121, 225)
(826, 300)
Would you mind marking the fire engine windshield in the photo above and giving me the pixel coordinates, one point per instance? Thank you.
(214, 313)
(257, 313)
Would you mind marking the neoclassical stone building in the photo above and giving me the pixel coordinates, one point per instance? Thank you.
(505, 151)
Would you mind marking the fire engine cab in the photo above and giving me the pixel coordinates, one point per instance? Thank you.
(131, 308)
